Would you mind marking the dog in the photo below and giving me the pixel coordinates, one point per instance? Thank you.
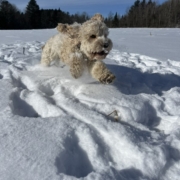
(81, 47)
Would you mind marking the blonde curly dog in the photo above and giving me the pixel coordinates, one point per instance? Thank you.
(81, 46)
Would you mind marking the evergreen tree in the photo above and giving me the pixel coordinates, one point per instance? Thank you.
(8, 16)
(32, 7)
(143, 3)
(109, 19)
(136, 3)
(32, 14)
(115, 22)
(149, 2)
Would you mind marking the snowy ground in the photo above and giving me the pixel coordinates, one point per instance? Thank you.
(53, 127)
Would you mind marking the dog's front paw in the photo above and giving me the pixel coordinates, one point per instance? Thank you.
(107, 78)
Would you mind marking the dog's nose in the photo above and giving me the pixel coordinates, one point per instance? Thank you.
(106, 45)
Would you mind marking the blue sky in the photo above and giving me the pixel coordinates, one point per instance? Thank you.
(90, 6)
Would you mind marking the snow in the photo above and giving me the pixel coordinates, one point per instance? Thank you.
(56, 127)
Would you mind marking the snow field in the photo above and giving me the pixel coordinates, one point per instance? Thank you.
(55, 127)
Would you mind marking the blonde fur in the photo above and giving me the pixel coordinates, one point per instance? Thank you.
(80, 46)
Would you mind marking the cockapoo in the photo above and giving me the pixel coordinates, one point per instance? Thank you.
(81, 46)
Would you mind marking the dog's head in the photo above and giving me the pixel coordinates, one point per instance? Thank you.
(94, 40)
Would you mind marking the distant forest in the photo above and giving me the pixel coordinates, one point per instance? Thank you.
(148, 14)
(141, 14)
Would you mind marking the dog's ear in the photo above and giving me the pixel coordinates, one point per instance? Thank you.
(71, 30)
(62, 27)
(98, 17)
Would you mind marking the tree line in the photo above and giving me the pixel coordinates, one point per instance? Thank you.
(143, 13)
(34, 17)
(148, 14)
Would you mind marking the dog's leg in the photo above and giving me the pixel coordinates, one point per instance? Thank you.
(77, 65)
(100, 72)
(45, 57)
(45, 61)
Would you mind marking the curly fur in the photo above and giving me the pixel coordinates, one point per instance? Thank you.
(80, 46)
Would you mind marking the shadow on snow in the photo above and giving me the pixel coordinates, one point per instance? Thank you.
(132, 81)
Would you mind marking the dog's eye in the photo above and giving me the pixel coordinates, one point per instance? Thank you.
(93, 36)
